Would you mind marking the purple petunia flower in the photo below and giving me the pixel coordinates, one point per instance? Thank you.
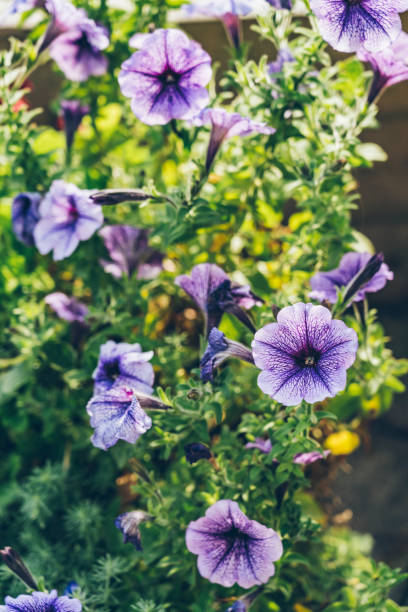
(305, 355)
(231, 548)
(129, 251)
(41, 602)
(25, 215)
(67, 217)
(325, 284)
(67, 308)
(166, 79)
(64, 16)
(225, 125)
(128, 523)
(71, 588)
(237, 606)
(281, 4)
(220, 348)
(284, 56)
(117, 415)
(73, 112)
(390, 65)
(19, 6)
(348, 25)
(214, 294)
(196, 451)
(123, 365)
(265, 446)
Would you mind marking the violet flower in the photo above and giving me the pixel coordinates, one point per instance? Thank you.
(73, 112)
(196, 451)
(220, 348)
(117, 415)
(67, 308)
(304, 356)
(281, 4)
(231, 548)
(166, 79)
(71, 588)
(390, 65)
(284, 56)
(64, 16)
(41, 602)
(325, 285)
(128, 523)
(215, 294)
(348, 25)
(67, 216)
(25, 215)
(129, 251)
(265, 446)
(123, 365)
(19, 6)
(225, 125)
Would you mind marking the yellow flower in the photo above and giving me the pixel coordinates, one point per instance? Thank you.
(342, 442)
(299, 608)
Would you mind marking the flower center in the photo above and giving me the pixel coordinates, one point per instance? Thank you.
(112, 369)
(170, 78)
(307, 358)
(354, 2)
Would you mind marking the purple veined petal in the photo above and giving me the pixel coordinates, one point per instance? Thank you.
(137, 40)
(66, 50)
(204, 279)
(67, 308)
(60, 238)
(25, 216)
(41, 602)
(265, 446)
(310, 457)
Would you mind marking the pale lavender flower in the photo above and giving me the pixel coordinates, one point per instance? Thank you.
(129, 251)
(64, 16)
(166, 79)
(215, 294)
(67, 308)
(25, 215)
(305, 355)
(122, 364)
(41, 602)
(284, 56)
(265, 446)
(310, 457)
(128, 523)
(348, 25)
(353, 266)
(67, 216)
(117, 415)
(220, 348)
(231, 548)
(73, 112)
(196, 451)
(225, 125)
(19, 6)
(390, 65)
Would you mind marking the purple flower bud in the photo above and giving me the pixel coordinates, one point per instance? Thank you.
(73, 113)
(305, 355)
(71, 588)
(67, 308)
(15, 563)
(129, 523)
(219, 349)
(231, 548)
(25, 215)
(110, 197)
(196, 451)
(41, 602)
(166, 79)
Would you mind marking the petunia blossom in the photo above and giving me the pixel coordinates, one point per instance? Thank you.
(305, 355)
(18, 6)
(281, 4)
(129, 251)
(67, 216)
(41, 602)
(214, 293)
(219, 349)
(73, 112)
(117, 415)
(265, 446)
(67, 308)
(325, 285)
(225, 125)
(231, 548)
(25, 215)
(348, 25)
(121, 365)
(390, 65)
(166, 79)
(128, 523)
(196, 451)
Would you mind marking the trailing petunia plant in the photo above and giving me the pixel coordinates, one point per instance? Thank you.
(189, 348)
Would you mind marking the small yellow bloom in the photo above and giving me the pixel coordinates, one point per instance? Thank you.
(342, 442)
(299, 608)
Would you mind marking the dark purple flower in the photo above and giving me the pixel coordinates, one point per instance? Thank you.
(71, 588)
(111, 197)
(325, 285)
(41, 602)
(281, 4)
(215, 294)
(348, 25)
(225, 125)
(117, 415)
(67, 216)
(390, 65)
(25, 215)
(129, 251)
(305, 355)
(166, 79)
(265, 446)
(243, 603)
(196, 451)
(67, 308)
(123, 365)
(73, 112)
(231, 548)
(14, 562)
(220, 348)
(238, 606)
(129, 523)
